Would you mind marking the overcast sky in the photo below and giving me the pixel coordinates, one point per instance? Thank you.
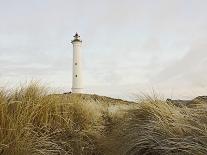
(129, 46)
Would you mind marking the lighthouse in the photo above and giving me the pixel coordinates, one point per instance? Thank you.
(77, 86)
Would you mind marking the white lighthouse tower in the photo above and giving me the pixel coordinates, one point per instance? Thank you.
(77, 86)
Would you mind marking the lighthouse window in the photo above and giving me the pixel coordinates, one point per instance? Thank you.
(76, 63)
(76, 75)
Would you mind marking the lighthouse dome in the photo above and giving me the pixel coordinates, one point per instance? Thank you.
(76, 38)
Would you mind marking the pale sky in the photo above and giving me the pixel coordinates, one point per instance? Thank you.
(129, 46)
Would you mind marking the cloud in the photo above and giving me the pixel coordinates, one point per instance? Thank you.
(186, 76)
(127, 45)
(192, 61)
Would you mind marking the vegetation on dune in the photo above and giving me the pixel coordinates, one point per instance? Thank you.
(156, 127)
(34, 122)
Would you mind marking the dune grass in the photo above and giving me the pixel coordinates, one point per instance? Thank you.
(32, 121)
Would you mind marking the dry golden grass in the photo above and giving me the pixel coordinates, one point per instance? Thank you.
(33, 122)
(156, 127)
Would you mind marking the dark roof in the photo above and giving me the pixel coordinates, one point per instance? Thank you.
(76, 38)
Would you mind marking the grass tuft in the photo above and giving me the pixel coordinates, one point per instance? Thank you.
(32, 121)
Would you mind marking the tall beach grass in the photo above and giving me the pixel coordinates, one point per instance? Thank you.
(32, 121)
